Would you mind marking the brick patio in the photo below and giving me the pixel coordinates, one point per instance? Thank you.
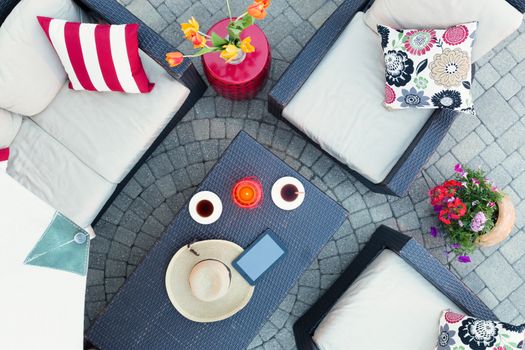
(495, 140)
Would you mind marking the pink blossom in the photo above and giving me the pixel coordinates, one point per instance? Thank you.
(475, 181)
(491, 204)
(464, 259)
(478, 222)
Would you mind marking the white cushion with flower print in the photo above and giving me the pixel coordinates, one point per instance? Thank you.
(457, 331)
(428, 68)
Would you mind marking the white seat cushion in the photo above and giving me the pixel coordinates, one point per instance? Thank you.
(341, 106)
(30, 72)
(110, 131)
(9, 126)
(390, 306)
(42, 308)
(53, 173)
(497, 19)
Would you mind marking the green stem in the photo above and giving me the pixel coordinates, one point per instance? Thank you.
(205, 35)
(241, 16)
(229, 9)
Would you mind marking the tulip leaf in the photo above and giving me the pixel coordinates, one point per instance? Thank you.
(206, 50)
(234, 31)
(466, 85)
(421, 66)
(247, 21)
(217, 41)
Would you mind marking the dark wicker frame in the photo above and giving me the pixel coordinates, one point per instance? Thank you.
(426, 141)
(156, 47)
(415, 255)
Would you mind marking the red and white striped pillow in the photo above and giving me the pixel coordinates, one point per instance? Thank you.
(98, 57)
(4, 157)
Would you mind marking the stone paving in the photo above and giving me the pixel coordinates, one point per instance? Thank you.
(495, 140)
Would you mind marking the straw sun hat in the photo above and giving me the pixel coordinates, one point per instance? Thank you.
(202, 284)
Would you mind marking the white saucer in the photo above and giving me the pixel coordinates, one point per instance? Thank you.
(214, 199)
(276, 193)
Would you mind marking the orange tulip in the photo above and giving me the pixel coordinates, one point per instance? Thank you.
(246, 45)
(257, 11)
(190, 29)
(174, 58)
(265, 3)
(198, 41)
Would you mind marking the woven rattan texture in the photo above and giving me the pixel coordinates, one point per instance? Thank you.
(141, 315)
(445, 281)
(150, 42)
(5, 8)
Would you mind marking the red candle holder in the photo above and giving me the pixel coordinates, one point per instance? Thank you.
(247, 192)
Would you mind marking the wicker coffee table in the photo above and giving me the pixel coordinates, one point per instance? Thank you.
(141, 316)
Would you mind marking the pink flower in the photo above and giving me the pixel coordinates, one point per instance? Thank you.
(464, 259)
(491, 204)
(478, 222)
(459, 169)
(475, 182)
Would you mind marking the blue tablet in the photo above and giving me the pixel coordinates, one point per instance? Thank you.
(259, 257)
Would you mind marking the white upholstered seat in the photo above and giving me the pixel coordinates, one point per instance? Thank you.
(340, 106)
(390, 306)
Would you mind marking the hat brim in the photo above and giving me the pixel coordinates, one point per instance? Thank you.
(178, 286)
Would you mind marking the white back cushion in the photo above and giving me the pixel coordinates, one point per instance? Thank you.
(390, 306)
(340, 106)
(9, 126)
(54, 174)
(30, 72)
(497, 19)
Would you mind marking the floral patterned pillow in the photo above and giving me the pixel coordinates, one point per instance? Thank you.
(428, 68)
(460, 332)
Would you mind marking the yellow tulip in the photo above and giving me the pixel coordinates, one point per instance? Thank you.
(246, 45)
(190, 29)
(230, 52)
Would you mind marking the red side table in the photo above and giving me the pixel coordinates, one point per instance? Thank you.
(244, 80)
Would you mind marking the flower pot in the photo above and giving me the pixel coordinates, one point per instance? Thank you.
(241, 55)
(503, 227)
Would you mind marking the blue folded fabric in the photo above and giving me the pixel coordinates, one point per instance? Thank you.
(63, 246)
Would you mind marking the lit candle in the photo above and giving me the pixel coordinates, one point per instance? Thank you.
(247, 192)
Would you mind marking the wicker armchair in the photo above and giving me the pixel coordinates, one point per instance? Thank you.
(423, 145)
(413, 254)
(156, 47)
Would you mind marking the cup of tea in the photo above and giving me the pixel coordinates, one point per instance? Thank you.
(247, 192)
(288, 193)
(205, 207)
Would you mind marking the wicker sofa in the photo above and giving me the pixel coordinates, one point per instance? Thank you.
(332, 91)
(389, 297)
(76, 150)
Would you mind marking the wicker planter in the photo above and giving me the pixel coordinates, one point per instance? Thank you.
(503, 227)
